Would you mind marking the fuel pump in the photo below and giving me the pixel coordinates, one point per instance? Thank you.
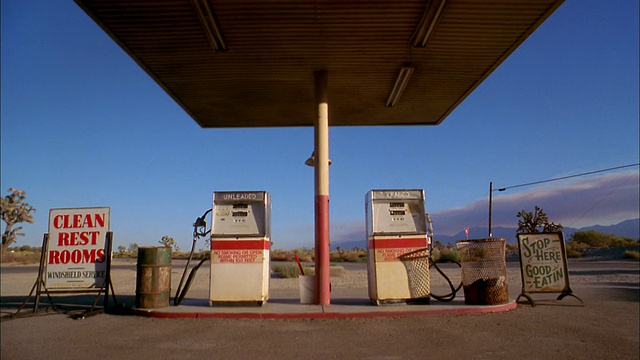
(397, 231)
(240, 246)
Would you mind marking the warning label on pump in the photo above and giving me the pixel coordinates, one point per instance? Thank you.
(237, 256)
(392, 254)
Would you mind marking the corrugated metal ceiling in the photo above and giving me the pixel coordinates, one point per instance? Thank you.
(265, 77)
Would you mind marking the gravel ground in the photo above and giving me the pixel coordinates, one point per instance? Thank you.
(606, 327)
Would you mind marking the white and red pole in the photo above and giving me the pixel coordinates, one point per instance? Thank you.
(321, 185)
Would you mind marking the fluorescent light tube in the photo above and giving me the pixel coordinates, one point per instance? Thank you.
(428, 23)
(205, 15)
(399, 86)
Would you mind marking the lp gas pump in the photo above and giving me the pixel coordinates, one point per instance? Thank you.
(397, 230)
(240, 244)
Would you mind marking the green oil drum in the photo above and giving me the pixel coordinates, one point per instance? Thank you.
(153, 278)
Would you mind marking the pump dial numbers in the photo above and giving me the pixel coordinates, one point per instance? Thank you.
(222, 212)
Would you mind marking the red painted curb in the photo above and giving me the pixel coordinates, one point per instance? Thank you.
(326, 313)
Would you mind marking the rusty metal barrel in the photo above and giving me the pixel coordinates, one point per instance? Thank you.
(153, 278)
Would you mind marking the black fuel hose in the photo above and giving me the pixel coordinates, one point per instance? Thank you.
(452, 295)
(454, 290)
(181, 293)
(200, 223)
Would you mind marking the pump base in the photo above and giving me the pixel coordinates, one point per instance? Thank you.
(236, 303)
(416, 301)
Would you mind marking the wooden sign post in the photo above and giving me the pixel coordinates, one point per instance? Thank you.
(543, 265)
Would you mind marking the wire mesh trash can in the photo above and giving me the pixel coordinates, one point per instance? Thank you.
(417, 265)
(484, 271)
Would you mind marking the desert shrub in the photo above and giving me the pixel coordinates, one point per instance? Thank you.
(290, 270)
(512, 247)
(293, 271)
(620, 241)
(334, 271)
(308, 255)
(304, 254)
(445, 255)
(631, 254)
(449, 255)
(358, 256)
(182, 255)
(574, 253)
(280, 255)
(435, 254)
(31, 256)
(597, 239)
(575, 249)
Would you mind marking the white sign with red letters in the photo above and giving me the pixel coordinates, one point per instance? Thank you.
(76, 251)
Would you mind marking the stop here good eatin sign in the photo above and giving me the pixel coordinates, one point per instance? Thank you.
(76, 251)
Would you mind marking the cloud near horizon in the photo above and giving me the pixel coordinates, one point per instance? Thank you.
(599, 200)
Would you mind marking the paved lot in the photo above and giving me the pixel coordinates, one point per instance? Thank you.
(607, 327)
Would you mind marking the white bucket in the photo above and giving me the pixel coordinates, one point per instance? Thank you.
(307, 289)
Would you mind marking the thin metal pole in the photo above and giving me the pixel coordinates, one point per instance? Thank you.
(321, 138)
(490, 205)
(107, 280)
(40, 279)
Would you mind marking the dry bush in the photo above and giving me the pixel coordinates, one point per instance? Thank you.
(293, 271)
(631, 254)
(21, 257)
(358, 256)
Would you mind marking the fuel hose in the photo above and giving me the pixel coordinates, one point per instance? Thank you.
(180, 292)
(454, 290)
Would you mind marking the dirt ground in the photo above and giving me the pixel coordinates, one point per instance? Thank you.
(605, 328)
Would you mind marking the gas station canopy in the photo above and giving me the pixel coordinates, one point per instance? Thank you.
(233, 63)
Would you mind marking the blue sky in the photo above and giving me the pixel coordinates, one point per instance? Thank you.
(83, 125)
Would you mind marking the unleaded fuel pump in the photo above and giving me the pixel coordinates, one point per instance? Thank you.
(240, 246)
(397, 246)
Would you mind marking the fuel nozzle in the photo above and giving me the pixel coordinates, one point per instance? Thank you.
(200, 223)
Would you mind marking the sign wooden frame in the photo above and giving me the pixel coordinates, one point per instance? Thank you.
(107, 285)
(543, 265)
(40, 286)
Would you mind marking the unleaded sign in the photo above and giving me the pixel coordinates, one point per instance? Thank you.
(76, 251)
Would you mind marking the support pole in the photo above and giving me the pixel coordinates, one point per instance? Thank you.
(490, 207)
(321, 172)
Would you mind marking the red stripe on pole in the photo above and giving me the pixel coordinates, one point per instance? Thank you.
(323, 279)
(240, 245)
(397, 243)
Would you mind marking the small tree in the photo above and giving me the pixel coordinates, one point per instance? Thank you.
(167, 241)
(133, 249)
(531, 222)
(14, 211)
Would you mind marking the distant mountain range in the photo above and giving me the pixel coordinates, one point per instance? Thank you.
(627, 228)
